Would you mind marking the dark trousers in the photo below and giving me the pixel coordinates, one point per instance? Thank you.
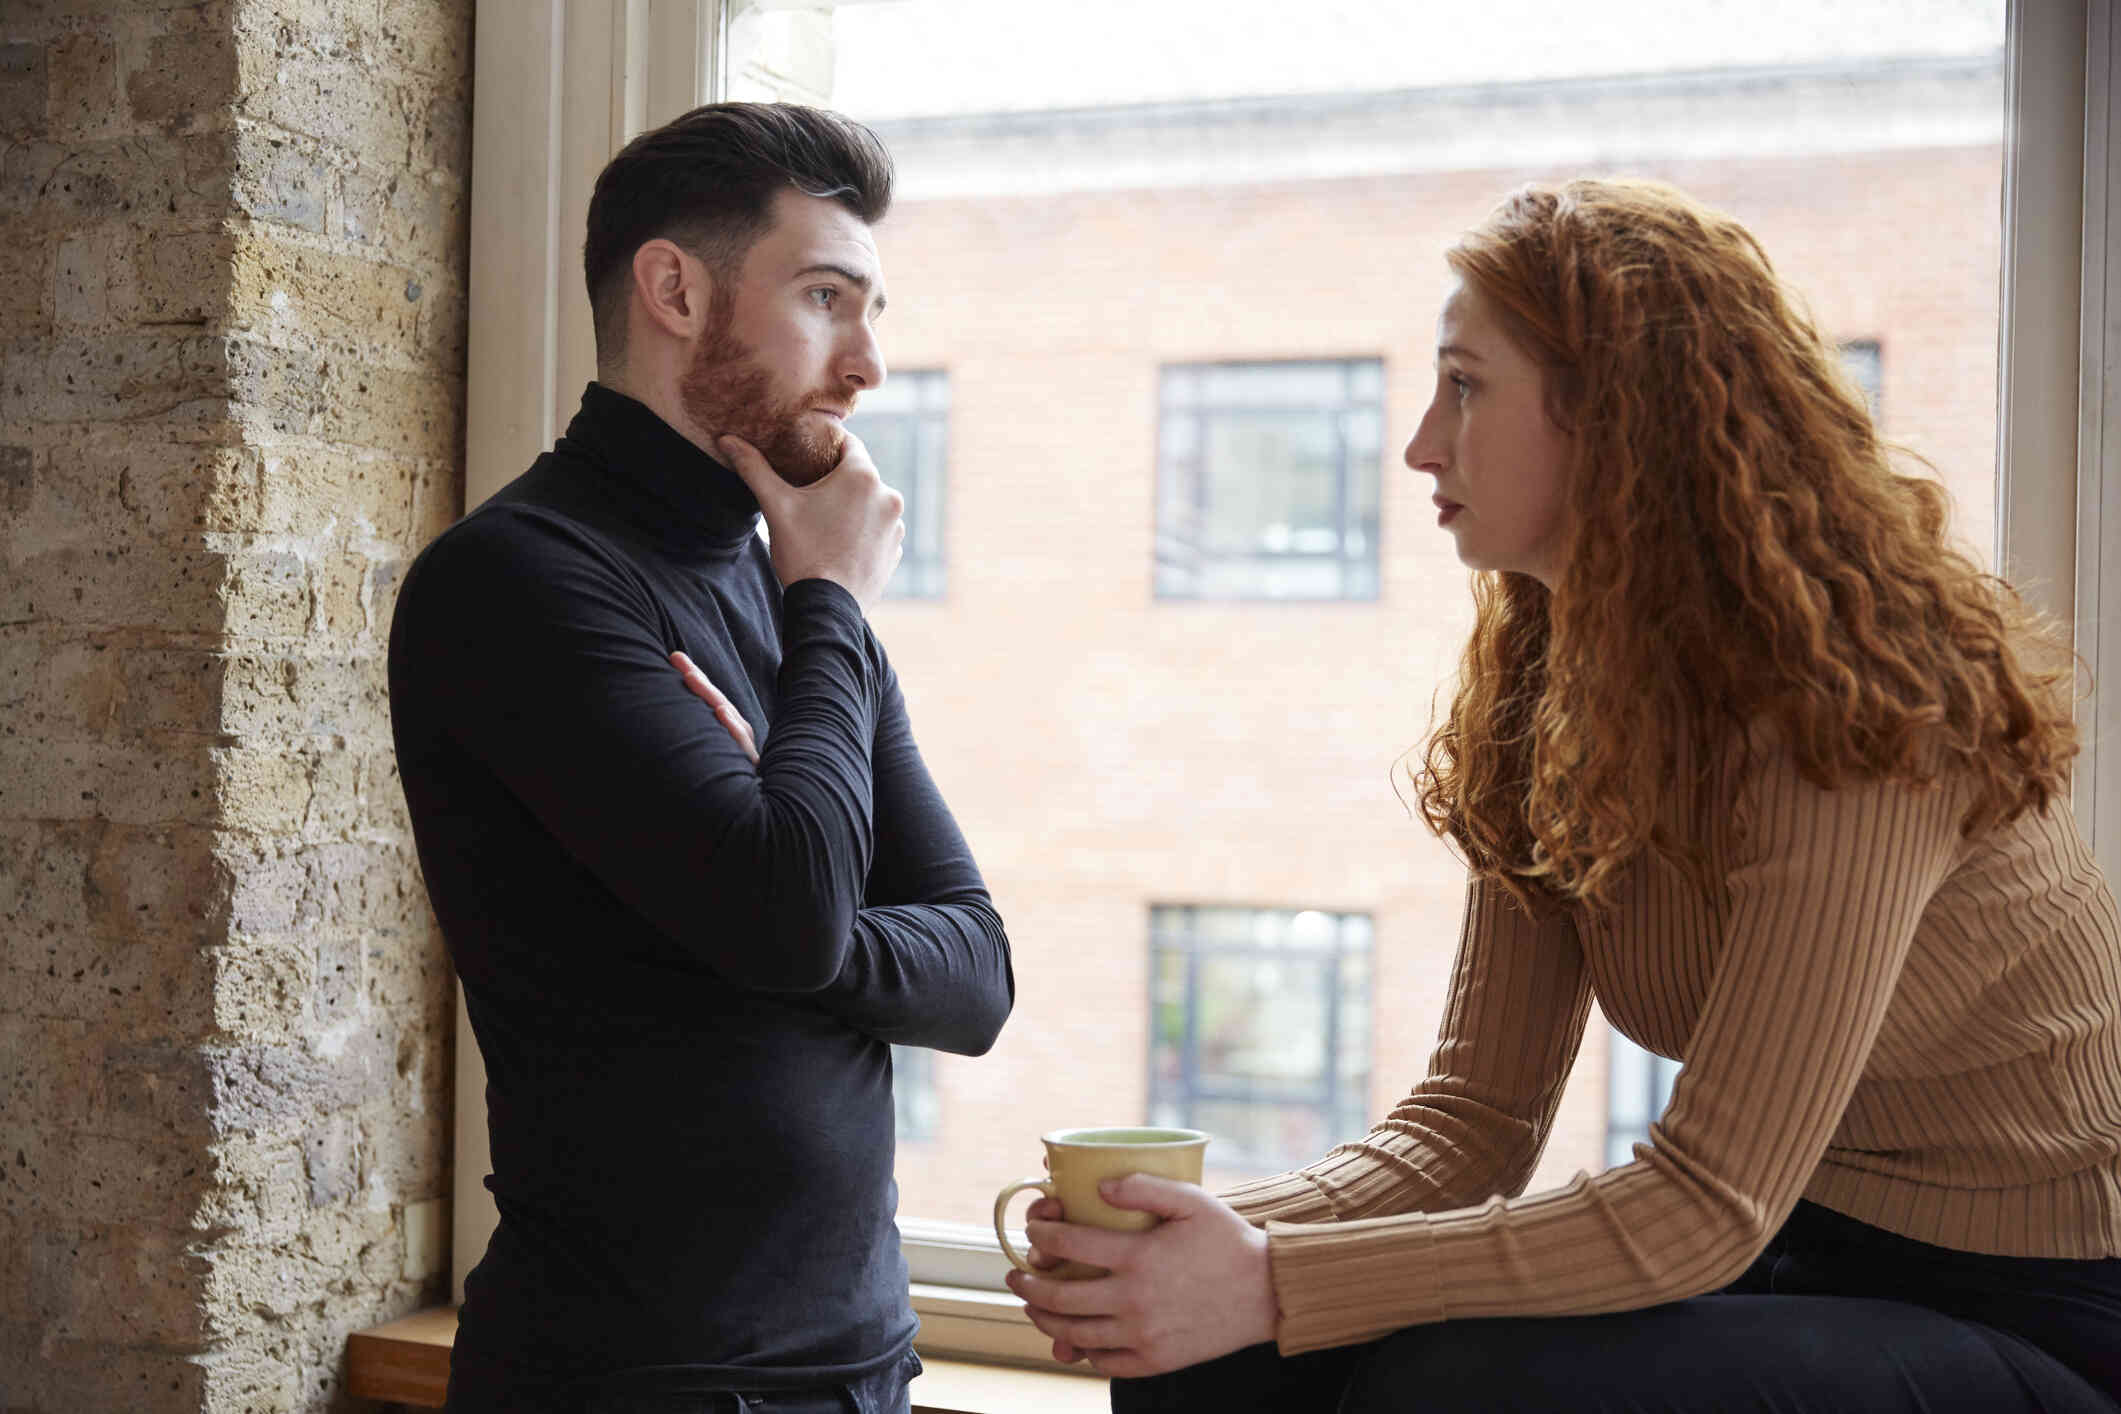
(1835, 1316)
(668, 1390)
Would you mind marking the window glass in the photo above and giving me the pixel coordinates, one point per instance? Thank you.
(1181, 263)
(917, 1111)
(906, 426)
(1254, 1040)
(1638, 1086)
(1269, 479)
(1865, 362)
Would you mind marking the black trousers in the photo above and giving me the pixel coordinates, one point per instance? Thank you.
(1835, 1316)
(668, 1390)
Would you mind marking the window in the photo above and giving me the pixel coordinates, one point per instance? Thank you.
(1261, 1034)
(1177, 199)
(1638, 1087)
(1865, 362)
(906, 426)
(1267, 480)
(915, 1106)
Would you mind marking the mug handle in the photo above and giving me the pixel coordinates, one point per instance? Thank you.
(1001, 1209)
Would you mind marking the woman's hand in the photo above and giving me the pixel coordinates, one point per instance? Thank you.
(724, 710)
(1192, 1288)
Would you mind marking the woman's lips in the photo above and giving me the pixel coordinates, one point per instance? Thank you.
(1446, 511)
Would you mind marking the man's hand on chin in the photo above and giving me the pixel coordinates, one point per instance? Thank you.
(847, 526)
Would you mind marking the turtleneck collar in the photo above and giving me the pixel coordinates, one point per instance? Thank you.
(666, 489)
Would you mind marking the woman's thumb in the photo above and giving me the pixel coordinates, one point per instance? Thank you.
(1165, 1197)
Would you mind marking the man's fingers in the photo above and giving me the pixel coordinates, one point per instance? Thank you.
(744, 459)
(697, 682)
(733, 722)
(725, 711)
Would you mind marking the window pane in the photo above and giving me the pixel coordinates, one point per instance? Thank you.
(1261, 1030)
(1268, 479)
(916, 1108)
(1638, 1087)
(905, 426)
(1185, 291)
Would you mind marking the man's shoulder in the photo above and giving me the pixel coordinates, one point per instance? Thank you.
(515, 549)
(524, 526)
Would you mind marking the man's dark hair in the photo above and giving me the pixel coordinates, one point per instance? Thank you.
(706, 180)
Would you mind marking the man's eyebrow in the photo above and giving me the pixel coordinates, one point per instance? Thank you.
(1458, 351)
(851, 275)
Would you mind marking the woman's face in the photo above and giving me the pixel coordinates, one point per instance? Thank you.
(1497, 456)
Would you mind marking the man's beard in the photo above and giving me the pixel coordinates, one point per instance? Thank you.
(728, 392)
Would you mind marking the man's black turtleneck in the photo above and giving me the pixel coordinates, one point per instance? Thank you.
(684, 970)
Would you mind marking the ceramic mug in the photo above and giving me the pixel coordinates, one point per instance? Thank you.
(1077, 1160)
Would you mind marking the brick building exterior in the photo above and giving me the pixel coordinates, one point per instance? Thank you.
(1108, 751)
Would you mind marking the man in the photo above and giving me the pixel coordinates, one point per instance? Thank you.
(686, 961)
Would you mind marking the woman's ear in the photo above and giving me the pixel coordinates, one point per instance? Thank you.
(1562, 395)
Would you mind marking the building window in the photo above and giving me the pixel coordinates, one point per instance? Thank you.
(1864, 361)
(1638, 1087)
(1260, 1030)
(913, 1102)
(906, 426)
(1267, 480)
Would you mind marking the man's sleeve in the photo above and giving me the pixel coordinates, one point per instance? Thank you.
(928, 964)
(546, 659)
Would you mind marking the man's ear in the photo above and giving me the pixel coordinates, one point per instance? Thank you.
(671, 289)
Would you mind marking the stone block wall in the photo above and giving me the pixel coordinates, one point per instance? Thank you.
(232, 250)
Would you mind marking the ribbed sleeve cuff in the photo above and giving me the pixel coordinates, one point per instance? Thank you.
(1340, 1283)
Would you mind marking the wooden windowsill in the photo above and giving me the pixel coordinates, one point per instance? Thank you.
(408, 1361)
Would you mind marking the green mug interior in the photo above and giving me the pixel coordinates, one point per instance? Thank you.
(1142, 1137)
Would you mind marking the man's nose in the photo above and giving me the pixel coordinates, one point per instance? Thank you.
(862, 364)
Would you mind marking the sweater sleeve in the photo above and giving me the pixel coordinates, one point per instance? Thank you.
(1512, 1021)
(928, 964)
(548, 662)
(1820, 905)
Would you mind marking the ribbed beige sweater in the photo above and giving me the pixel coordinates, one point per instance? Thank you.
(1917, 1030)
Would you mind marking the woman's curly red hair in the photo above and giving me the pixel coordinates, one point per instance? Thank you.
(1739, 551)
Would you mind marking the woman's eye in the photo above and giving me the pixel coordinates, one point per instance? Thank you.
(1464, 388)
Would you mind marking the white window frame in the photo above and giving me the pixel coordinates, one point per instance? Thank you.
(561, 84)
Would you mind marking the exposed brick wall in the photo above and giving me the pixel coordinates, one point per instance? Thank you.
(232, 242)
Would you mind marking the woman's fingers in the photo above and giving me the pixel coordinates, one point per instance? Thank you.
(1097, 1247)
(725, 712)
(1096, 1296)
(1100, 1333)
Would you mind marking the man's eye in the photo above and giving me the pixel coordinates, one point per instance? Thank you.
(822, 296)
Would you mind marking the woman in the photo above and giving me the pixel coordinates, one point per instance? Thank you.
(1744, 749)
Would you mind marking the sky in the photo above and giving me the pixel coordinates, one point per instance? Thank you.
(899, 58)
